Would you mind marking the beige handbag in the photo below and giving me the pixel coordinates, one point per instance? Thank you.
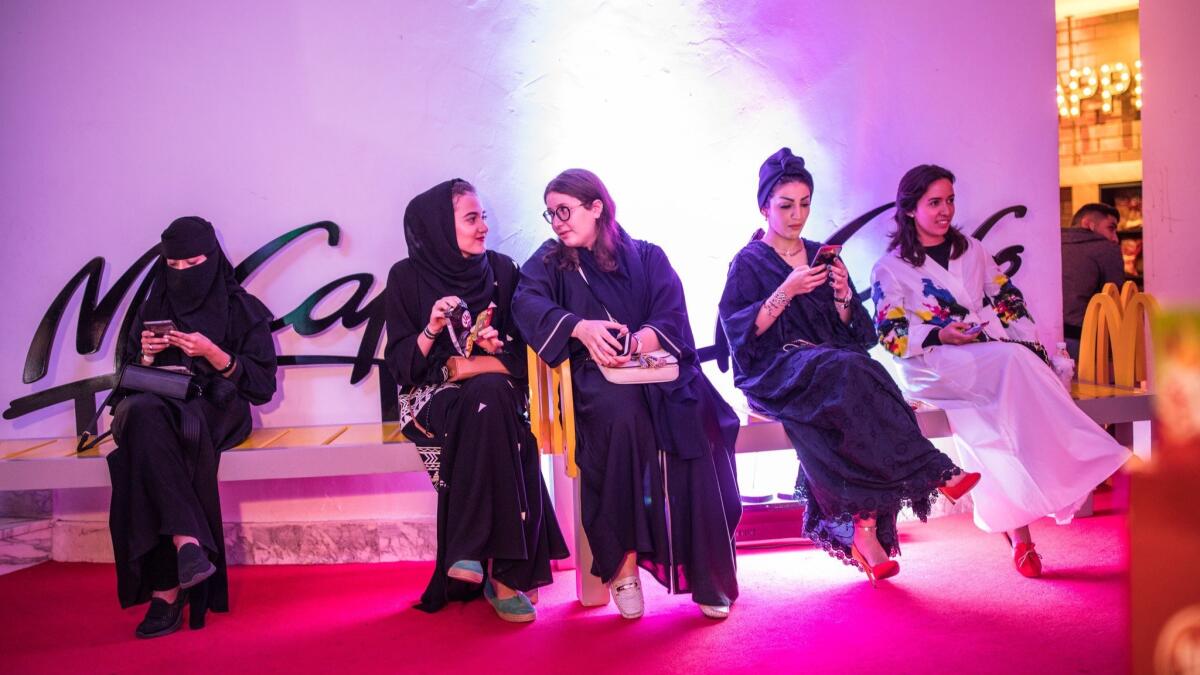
(650, 368)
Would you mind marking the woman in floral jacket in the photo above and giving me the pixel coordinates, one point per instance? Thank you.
(966, 343)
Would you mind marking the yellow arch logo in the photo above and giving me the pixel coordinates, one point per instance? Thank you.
(1112, 346)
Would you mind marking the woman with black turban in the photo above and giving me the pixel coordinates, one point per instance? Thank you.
(799, 338)
(165, 517)
(464, 402)
(657, 480)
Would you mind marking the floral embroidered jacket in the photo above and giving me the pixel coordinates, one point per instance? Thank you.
(911, 302)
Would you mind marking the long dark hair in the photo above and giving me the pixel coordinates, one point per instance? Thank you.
(587, 188)
(912, 187)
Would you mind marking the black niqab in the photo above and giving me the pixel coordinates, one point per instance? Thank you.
(433, 247)
(195, 298)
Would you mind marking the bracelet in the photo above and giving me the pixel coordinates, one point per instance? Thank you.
(431, 336)
(843, 302)
(635, 352)
(776, 303)
(228, 367)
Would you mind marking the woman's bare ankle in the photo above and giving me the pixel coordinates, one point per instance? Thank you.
(1021, 535)
(629, 567)
(168, 595)
(503, 592)
(180, 541)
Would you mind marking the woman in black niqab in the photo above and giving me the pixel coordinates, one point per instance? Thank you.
(496, 530)
(165, 517)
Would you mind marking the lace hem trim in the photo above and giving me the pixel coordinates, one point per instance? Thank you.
(822, 529)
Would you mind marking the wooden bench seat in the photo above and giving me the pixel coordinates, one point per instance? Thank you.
(268, 453)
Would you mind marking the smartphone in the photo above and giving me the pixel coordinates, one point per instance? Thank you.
(976, 329)
(827, 254)
(159, 328)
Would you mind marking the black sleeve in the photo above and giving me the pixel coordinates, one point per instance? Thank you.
(404, 325)
(513, 356)
(539, 317)
(861, 325)
(256, 364)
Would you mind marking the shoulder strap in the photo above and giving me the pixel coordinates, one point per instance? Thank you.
(86, 440)
(593, 292)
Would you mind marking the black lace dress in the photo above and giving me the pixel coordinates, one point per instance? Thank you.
(861, 452)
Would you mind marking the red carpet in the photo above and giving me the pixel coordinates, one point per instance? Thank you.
(957, 606)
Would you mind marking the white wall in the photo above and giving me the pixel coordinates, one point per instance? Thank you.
(119, 116)
(1170, 139)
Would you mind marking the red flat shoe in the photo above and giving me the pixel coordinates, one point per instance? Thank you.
(1027, 561)
(960, 488)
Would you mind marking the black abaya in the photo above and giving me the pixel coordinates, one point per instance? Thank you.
(656, 461)
(165, 483)
(492, 501)
(861, 452)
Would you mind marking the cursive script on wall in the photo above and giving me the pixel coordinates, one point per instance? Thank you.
(96, 315)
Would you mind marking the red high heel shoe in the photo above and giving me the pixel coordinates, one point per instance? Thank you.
(1027, 561)
(960, 488)
(884, 570)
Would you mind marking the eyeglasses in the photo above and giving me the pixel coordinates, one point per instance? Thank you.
(563, 212)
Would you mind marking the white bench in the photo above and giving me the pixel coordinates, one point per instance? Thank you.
(269, 453)
(1105, 404)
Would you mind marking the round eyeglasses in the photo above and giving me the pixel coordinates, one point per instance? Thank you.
(563, 212)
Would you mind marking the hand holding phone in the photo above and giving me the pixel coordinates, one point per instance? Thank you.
(975, 329)
(154, 338)
(160, 328)
(827, 254)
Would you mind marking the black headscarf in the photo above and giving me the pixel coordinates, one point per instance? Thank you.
(782, 163)
(197, 298)
(433, 248)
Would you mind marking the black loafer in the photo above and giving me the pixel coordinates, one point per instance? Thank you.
(194, 566)
(162, 618)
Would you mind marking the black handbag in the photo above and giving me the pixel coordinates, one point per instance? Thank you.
(134, 379)
(170, 383)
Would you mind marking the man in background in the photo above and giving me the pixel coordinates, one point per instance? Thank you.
(1091, 257)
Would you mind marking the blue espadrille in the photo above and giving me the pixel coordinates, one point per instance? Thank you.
(517, 609)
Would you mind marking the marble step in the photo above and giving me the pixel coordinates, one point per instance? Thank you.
(25, 541)
(11, 527)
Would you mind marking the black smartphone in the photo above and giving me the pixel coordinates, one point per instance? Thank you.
(827, 254)
(160, 328)
(625, 339)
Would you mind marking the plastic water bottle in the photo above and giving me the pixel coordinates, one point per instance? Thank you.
(1063, 364)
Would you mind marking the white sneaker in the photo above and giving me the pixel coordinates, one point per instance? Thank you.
(627, 593)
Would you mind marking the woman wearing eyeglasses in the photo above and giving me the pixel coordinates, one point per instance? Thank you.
(496, 531)
(658, 486)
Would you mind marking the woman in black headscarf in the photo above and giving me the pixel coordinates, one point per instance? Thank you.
(165, 518)
(464, 403)
(657, 479)
(799, 338)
